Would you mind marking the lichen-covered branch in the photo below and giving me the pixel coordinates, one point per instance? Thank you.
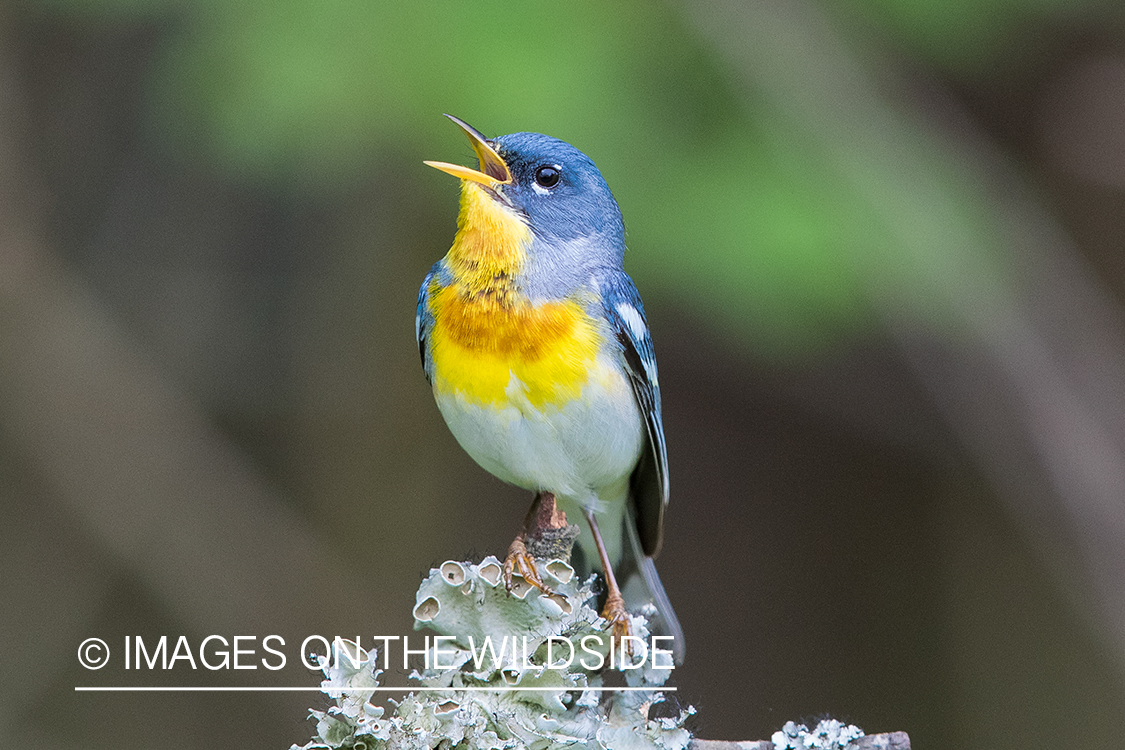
(523, 669)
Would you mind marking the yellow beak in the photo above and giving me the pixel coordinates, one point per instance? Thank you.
(493, 171)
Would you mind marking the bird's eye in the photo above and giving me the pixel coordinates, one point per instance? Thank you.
(547, 176)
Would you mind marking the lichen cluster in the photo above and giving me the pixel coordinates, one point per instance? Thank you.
(489, 683)
(828, 734)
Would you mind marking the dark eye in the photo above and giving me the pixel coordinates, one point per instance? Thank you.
(547, 176)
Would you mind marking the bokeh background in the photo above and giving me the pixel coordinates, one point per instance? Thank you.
(881, 247)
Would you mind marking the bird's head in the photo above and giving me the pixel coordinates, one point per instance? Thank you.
(554, 188)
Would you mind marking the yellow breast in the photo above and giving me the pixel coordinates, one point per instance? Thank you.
(479, 345)
(484, 333)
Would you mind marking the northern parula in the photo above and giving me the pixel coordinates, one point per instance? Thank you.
(536, 344)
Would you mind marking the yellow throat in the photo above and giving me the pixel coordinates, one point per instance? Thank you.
(488, 337)
(491, 243)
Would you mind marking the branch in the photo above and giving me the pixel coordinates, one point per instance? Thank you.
(525, 669)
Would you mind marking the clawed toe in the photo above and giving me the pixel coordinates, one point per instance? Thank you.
(622, 624)
(520, 562)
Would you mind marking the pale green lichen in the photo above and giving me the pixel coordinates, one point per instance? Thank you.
(829, 734)
(489, 684)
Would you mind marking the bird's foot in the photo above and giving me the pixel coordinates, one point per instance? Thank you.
(520, 562)
(622, 625)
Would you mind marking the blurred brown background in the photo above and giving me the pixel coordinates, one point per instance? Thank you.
(880, 243)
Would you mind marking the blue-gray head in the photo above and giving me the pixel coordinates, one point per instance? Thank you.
(556, 187)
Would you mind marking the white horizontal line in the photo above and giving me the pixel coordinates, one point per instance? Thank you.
(380, 689)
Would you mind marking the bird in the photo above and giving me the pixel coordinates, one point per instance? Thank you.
(536, 345)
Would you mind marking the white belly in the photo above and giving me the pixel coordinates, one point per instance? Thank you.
(583, 451)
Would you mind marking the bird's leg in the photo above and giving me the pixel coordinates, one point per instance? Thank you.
(614, 610)
(519, 560)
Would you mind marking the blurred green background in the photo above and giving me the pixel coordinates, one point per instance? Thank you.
(881, 247)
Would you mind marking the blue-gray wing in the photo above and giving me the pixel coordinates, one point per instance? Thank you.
(649, 482)
(423, 321)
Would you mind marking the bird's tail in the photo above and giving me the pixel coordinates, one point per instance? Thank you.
(640, 585)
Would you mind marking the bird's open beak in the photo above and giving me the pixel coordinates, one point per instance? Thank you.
(493, 170)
